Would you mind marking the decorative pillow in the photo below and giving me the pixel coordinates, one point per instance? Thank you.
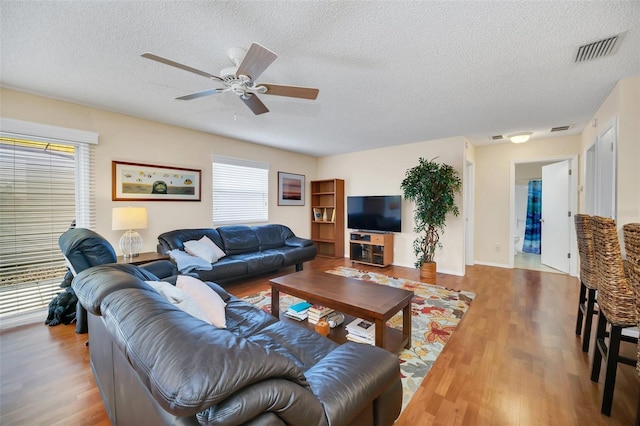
(208, 300)
(200, 249)
(218, 251)
(186, 263)
(179, 298)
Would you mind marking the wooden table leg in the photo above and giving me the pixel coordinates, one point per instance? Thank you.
(275, 302)
(380, 329)
(406, 324)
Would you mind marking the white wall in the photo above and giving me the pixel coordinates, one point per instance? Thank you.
(380, 171)
(126, 138)
(622, 104)
(493, 183)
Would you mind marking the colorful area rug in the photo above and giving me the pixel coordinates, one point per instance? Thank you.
(436, 311)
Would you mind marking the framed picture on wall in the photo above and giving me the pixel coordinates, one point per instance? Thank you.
(290, 189)
(147, 182)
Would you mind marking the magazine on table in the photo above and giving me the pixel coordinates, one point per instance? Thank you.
(362, 328)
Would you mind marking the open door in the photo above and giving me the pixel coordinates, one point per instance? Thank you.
(556, 222)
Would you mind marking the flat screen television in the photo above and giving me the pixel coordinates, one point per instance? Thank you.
(381, 213)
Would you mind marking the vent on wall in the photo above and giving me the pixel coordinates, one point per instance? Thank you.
(560, 128)
(599, 48)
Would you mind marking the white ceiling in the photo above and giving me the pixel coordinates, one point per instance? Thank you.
(389, 73)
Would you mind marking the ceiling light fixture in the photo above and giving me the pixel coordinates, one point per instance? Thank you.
(520, 137)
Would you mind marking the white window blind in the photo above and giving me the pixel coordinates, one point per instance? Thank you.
(44, 186)
(240, 191)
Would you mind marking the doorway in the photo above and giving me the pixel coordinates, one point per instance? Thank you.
(522, 173)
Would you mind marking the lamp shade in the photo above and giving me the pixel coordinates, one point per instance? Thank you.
(129, 218)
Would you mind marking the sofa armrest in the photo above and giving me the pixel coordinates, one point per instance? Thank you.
(297, 242)
(351, 377)
(291, 403)
(161, 268)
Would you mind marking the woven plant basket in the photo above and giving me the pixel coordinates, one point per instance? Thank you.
(585, 248)
(616, 297)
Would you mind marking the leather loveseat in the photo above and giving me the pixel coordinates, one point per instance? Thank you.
(155, 364)
(249, 250)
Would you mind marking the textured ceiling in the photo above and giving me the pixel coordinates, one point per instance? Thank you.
(389, 73)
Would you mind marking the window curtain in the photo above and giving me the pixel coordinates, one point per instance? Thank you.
(532, 232)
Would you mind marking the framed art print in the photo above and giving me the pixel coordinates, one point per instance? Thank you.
(290, 189)
(146, 182)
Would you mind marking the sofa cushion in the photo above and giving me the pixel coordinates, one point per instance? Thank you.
(201, 250)
(179, 298)
(229, 267)
(187, 263)
(262, 261)
(210, 303)
(172, 240)
(272, 235)
(293, 255)
(238, 239)
(217, 250)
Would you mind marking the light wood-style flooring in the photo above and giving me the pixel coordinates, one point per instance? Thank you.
(513, 360)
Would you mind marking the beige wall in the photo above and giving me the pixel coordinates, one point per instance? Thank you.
(622, 105)
(493, 191)
(380, 171)
(371, 172)
(126, 138)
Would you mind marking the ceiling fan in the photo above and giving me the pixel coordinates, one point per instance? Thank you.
(241, 78)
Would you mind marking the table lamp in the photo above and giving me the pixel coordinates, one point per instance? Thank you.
(129, 218)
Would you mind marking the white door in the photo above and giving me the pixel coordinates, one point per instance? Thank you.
(556, 223)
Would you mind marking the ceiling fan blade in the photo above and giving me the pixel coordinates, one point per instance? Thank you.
(256, 60)
(254, 104)
(290, 91)
(179, 65)
(199, 94)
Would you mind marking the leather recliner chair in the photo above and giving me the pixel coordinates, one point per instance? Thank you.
(84, 248)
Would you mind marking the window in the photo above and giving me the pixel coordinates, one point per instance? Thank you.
(240, 191)
(44, 187)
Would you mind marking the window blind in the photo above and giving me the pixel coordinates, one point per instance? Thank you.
(44, 187)
(240, 191)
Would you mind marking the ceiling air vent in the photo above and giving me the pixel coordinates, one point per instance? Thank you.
(496, 137)
(560, 128)
(599, 48)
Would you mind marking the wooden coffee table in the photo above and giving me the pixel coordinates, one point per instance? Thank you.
(352, 297)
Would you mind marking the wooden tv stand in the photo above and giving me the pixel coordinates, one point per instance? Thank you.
(371, 248)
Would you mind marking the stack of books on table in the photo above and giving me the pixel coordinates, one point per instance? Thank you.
(361, 331)
(318, 312)
(298, 311)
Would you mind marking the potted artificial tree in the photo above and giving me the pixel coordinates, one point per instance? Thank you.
(432, 187)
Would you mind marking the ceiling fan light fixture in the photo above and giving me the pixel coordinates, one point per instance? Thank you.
(520, 137)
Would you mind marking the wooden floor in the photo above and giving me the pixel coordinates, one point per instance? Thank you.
(513, 360)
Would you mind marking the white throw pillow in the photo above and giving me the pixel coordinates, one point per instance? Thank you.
(217, 250)
(200, 249)
(179, 298)
(208, 300)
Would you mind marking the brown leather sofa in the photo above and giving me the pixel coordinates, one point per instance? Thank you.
(155, 364)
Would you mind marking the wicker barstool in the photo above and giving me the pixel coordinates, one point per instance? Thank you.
(587, 299)
(631, 234)
(617, 306)
(633, 270)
